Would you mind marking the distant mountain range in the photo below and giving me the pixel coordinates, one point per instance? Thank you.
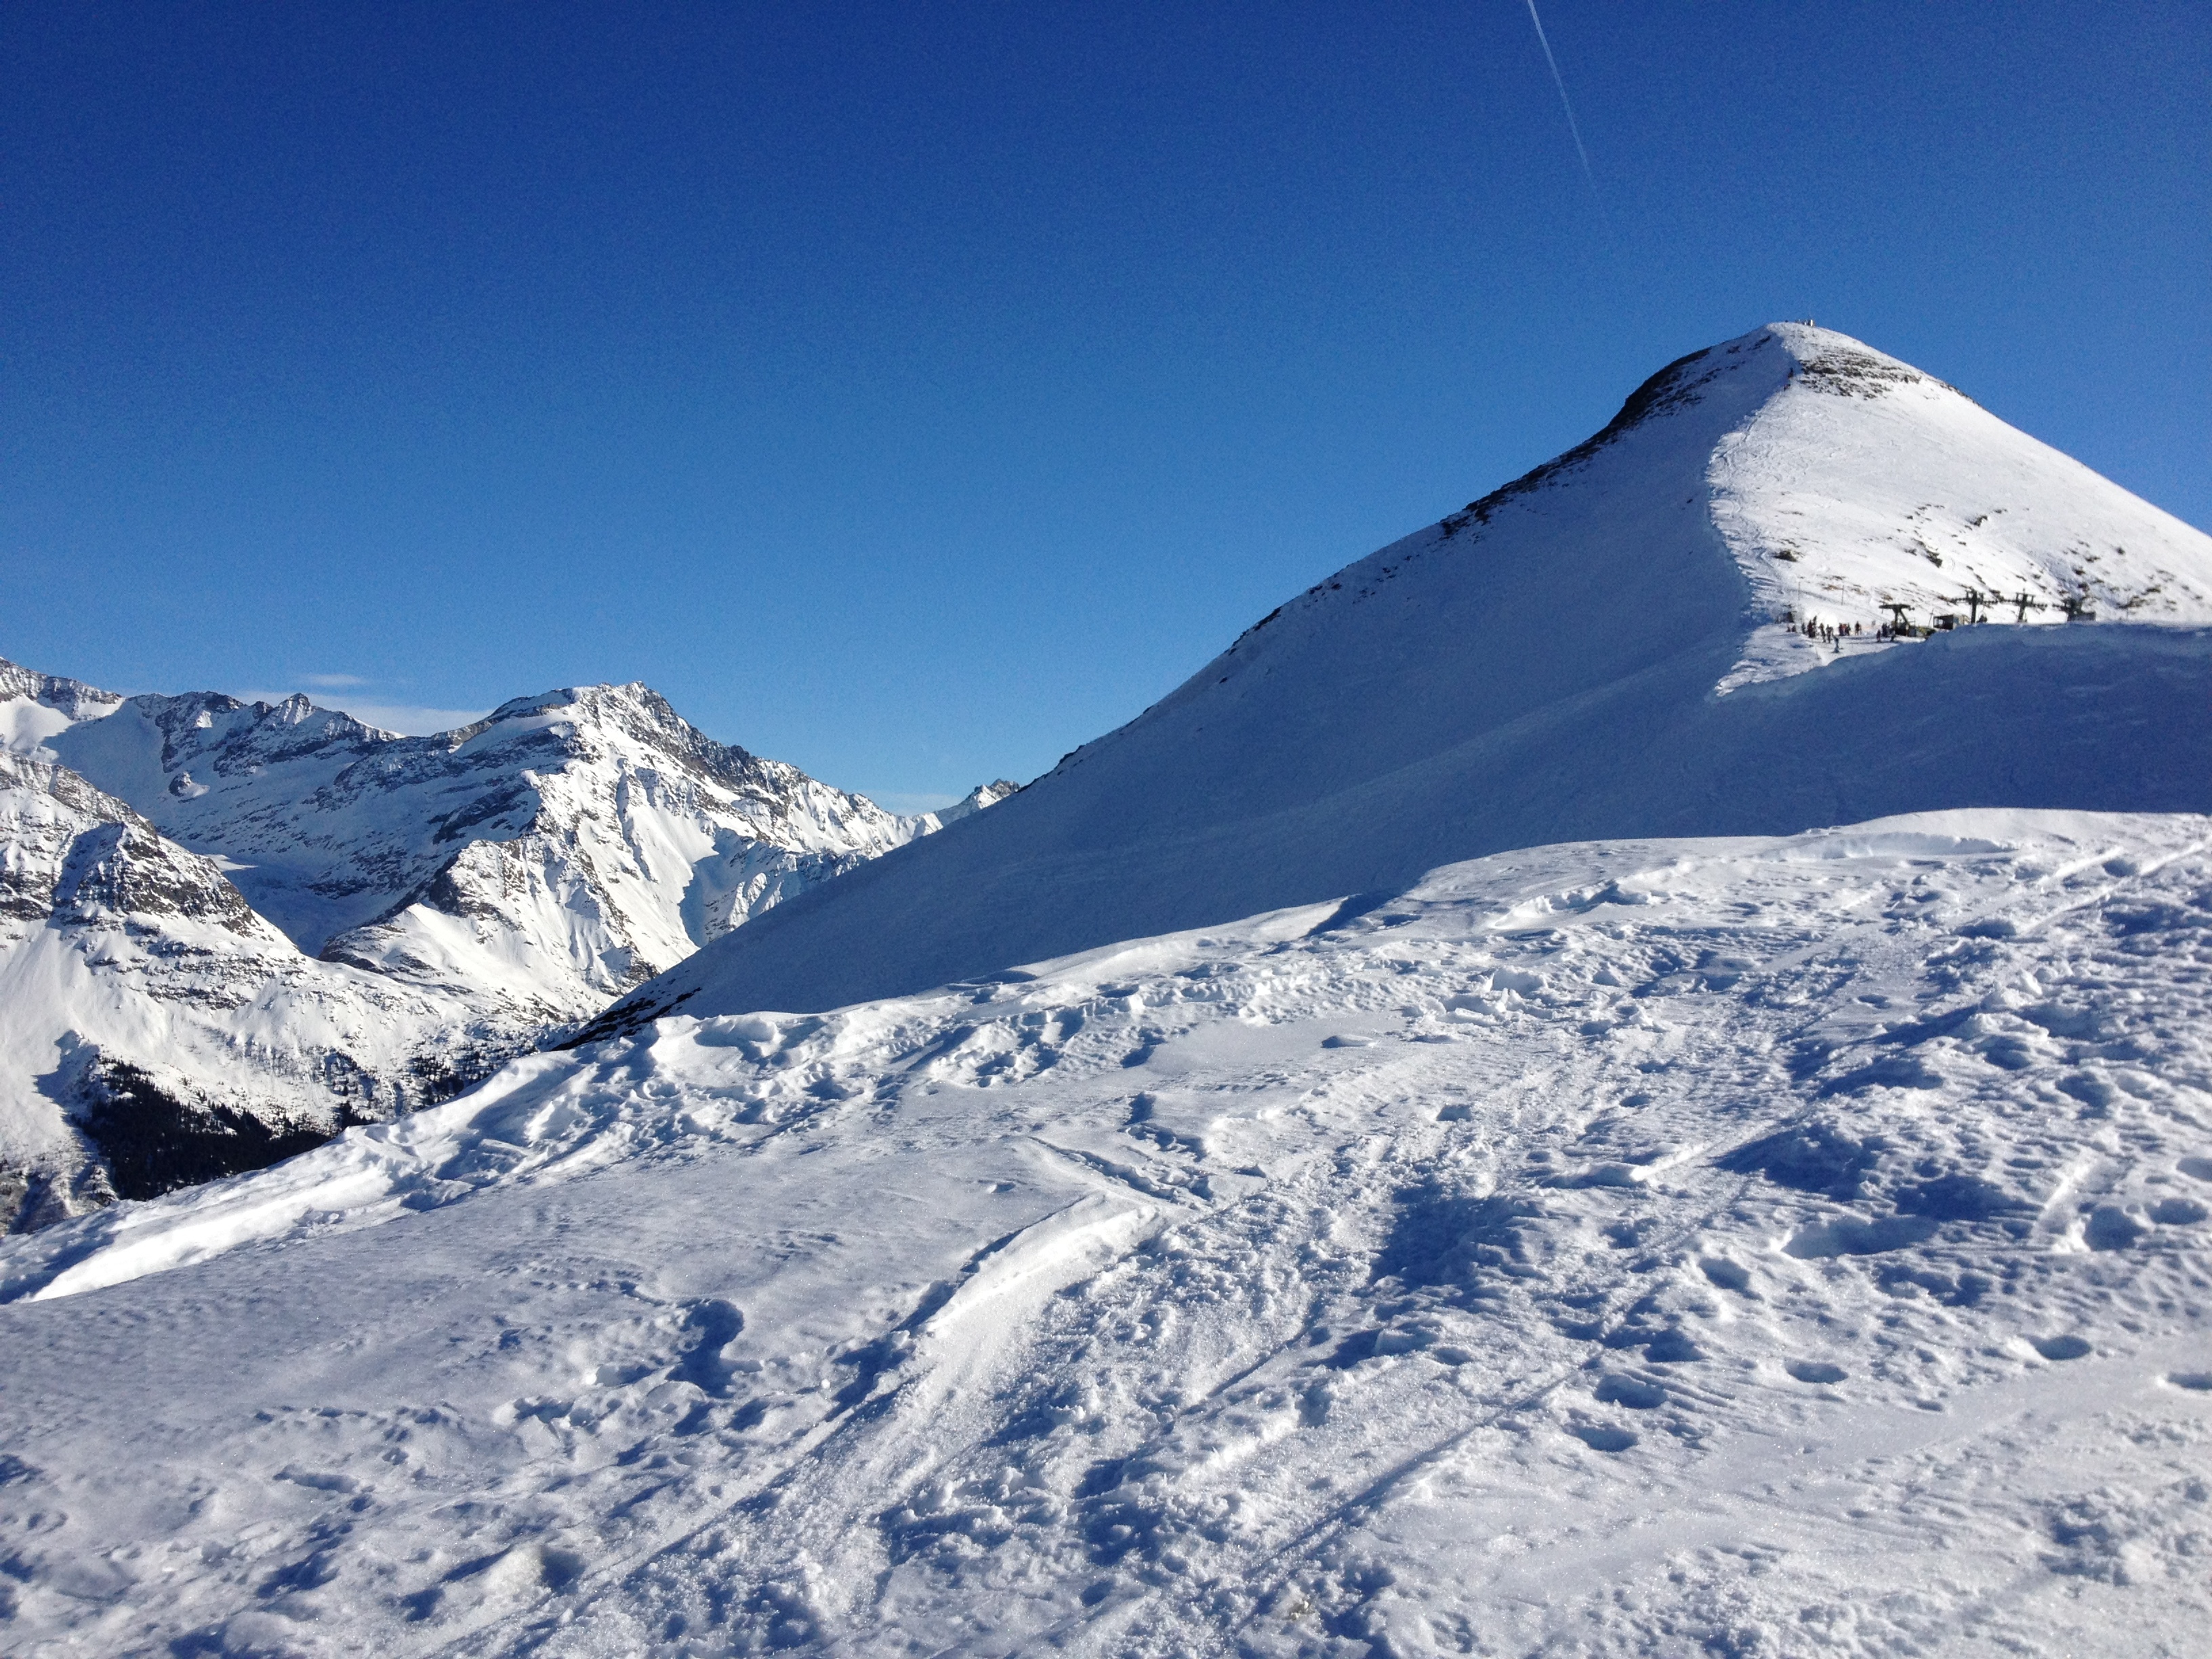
(231, 928)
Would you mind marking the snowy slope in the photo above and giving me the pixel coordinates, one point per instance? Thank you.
(154, 1030)
(561, 850)
(1755, 1247)
(1549, 664)
(494, 885)
(1919, 497)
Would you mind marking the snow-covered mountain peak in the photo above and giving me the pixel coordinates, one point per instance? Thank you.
(634, 706)
(35, 706)
(551, 854)
(1863, 494)
(1848, 491)
(1542, 665)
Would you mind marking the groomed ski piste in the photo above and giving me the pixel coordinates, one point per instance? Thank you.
(1351, 1163)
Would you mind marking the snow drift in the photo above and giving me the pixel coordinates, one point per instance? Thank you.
(1763, 1247)
(1601, 649)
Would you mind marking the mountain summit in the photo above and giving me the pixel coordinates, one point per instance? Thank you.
(562, 848)
(228, 928)
(1614, 645)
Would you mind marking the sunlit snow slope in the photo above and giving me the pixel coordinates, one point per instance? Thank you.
(1546, 665)
(1753, 1246)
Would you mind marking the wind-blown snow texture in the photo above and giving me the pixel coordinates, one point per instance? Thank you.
(1541, 666)
(488, 887)
(1751, 1247)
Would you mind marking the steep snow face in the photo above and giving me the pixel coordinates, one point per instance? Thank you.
(1753, 1246)
(35, 707)
(1918, 504)
(154, 1030)
(564, 848)
(1543, 665)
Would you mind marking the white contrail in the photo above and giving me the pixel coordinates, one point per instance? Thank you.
(1573, 127)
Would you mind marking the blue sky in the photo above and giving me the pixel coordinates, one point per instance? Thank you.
(913, 392)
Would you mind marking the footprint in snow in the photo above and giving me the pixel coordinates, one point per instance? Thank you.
(712, 1324)
(1815, 1371)
(1600, 1437)
(1719, 1270)
(2059, 1347)
(1637, 1396)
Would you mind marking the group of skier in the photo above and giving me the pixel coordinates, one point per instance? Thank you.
(1836, 633)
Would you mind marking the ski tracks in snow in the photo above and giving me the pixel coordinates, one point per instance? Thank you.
(1769, 1245)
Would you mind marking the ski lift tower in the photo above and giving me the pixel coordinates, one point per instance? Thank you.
(1898, 626)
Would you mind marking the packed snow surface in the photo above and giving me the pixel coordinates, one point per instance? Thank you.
(1601, 649)
(1759, 1246)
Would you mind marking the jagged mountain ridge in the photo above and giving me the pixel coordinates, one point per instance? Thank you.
(564, 848)
(410, 911)
(1603, 648)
